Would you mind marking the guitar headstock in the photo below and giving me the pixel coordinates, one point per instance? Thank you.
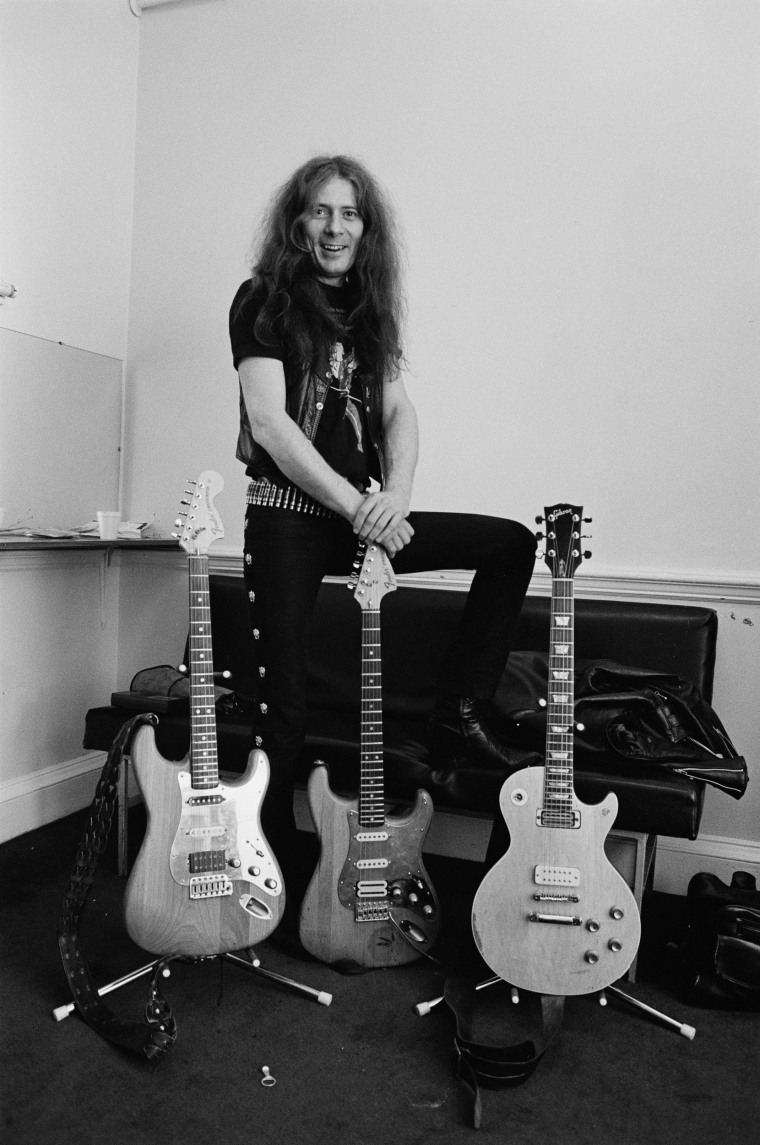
(373, 576)
(563, 538)
(198, 519)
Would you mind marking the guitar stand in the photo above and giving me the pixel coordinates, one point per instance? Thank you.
(682, 1028)
(160, 966)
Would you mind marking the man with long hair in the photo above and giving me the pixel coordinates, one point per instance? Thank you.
(328, 436)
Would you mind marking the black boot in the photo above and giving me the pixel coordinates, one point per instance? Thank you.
(458, 736)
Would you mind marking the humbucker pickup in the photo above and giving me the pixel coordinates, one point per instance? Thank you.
(376, 888)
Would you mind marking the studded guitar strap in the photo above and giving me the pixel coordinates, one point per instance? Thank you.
(157, 1033)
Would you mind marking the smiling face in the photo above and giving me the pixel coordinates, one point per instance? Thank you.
(333, 228)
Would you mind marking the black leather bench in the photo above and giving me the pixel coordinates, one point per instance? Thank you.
(416, 623)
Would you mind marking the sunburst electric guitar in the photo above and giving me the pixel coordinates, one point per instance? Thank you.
(553, 915)
(205, 881)
(370, 900)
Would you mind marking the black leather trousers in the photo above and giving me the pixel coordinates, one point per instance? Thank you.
(287, 554)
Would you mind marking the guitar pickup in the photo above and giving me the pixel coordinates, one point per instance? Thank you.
(370, 864)
(201, 862)
(559, 817)
(553, 876)
(376, 888)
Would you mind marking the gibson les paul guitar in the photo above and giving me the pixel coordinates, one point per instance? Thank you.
(370, 900)
(553, 915)
(205, 881)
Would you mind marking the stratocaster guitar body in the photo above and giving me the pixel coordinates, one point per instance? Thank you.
(370, 900)
(346, 911)
(553, 915)
(567, 924)
(204, 882)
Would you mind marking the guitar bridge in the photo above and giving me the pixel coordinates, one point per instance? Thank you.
(210, 887)
(561, 919)
(371, 912)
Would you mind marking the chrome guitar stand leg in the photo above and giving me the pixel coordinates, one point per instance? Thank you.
(682, 1028)
(685, 1030)
(251, 963)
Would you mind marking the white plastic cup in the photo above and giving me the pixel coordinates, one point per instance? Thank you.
(108, 524)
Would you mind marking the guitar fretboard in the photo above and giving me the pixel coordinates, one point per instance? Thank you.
(371, 790)
(558, 771)
(204, 763)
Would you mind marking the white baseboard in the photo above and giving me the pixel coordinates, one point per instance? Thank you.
(47, 795)
(679, 859)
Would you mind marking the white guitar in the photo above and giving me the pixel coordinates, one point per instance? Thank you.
(553, 915)
(205, 881)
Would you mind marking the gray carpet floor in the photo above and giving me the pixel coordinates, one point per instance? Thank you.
(364, 1069)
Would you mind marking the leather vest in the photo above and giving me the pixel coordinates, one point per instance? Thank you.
(305, 396)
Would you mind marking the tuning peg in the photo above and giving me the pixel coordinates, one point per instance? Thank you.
(185, 502)
(539, 520)
(177, 536)
(538, 535)
(588, 554)
(178, 522)
(588, 520)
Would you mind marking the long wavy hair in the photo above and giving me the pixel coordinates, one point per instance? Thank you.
(295, 309)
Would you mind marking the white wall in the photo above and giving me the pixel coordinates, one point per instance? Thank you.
(577, 182)
(68, 74)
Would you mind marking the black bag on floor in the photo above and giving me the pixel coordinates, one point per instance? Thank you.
(722, 949)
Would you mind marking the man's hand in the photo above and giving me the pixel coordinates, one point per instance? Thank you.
(381, 517)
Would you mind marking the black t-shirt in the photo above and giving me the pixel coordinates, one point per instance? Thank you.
(342, 435)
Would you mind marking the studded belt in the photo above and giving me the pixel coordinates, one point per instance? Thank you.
(264, 493)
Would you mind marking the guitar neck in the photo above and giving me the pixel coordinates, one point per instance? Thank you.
(204, 763)
(371, 806)
(558, 771)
